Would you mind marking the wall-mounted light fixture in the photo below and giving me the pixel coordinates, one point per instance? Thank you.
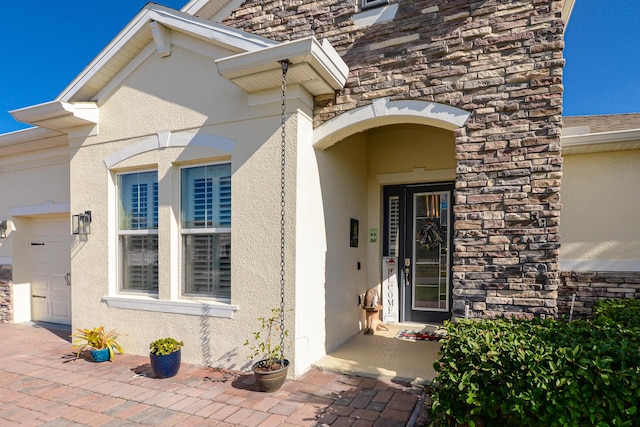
(81, 223)
(3, 229)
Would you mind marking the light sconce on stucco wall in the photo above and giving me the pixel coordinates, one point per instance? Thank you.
(81, 223)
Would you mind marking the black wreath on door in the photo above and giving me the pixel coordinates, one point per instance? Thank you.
(431, 234)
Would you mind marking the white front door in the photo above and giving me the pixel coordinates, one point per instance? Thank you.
(50, 271)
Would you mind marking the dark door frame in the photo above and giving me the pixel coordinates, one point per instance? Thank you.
(405, 229)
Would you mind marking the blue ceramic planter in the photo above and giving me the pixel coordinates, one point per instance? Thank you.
(101, 355)
(167, 365)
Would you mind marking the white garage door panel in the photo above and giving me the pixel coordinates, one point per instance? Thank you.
(50, 263)
(41, 307)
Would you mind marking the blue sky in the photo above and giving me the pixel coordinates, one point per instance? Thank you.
(602, 49)
(45, 44)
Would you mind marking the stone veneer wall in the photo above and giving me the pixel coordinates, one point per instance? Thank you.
(590, 286)
(501, 60)
(6, 312)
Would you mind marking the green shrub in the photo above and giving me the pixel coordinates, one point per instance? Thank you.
(624, 312)
(537, 373)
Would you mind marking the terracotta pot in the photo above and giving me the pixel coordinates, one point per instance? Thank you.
(165, 365)
(270, 380)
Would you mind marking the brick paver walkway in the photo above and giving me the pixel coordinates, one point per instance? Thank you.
(42, 384)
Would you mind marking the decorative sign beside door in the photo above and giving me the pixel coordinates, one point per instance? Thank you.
(390, 290)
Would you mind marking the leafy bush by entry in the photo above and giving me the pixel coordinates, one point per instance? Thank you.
(624, 312)
(537, 373)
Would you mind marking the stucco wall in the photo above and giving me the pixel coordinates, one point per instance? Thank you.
(600, 212)
(429, 147)
(160, 96)
(311, 234)
(31, 181)
(33, 184)
(343, 174)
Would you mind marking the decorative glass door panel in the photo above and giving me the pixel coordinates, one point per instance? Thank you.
(430, 240)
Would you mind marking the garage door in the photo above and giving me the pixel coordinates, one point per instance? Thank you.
(50, 267)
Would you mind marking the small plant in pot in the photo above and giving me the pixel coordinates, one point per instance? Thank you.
(165, 357)
(101, 343)
(271, 368)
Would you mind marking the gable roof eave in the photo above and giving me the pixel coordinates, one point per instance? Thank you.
(600, 142)
(138, 34)
(312, 64)
(58, 115)
(30, 140)
(212, 10)
(567, 9)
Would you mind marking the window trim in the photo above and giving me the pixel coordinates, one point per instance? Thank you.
(188, 307)
(182, 295)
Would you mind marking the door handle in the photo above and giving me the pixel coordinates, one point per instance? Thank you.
(407, 271)
(38, 296)
(67, 278)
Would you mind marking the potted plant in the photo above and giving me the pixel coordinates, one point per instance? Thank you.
(101, 343)
(271, 369)
(165, 357)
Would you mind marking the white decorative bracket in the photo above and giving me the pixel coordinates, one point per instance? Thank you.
(161, 37)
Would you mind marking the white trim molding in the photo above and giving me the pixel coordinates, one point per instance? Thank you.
(599, 265)
(312, 64)
(619, 140)
(189, 308)
(137, 35)
(161, 37)
(47, 208)
(59, 115)
(220, 146)
(384, 111)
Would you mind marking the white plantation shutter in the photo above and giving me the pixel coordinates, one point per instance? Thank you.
(225, 200)
(140, 262)
(138, 224)
(206, 229)
(394, 226)
(207, 264)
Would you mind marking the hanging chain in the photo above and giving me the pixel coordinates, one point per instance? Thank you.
(283, 134)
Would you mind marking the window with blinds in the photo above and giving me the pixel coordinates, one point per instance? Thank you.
(138, 231)
(367, 4)
(206, 230)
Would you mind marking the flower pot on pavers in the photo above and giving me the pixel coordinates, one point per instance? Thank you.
(271, 369)
(165, 357)
(100, 355)
(99, 340)
(270, 374)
